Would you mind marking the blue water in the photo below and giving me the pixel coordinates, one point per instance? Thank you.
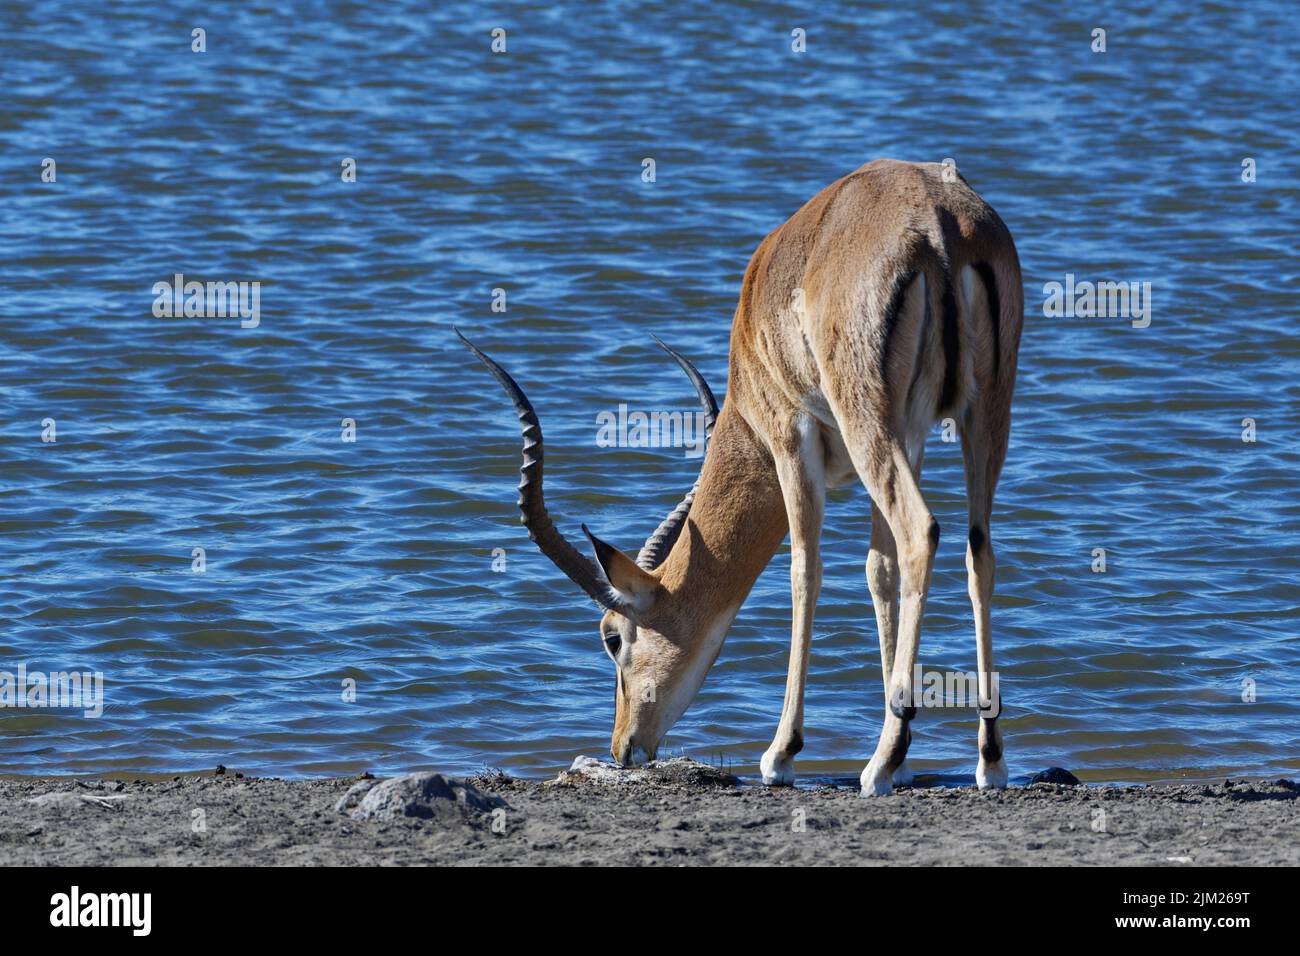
(372, 561)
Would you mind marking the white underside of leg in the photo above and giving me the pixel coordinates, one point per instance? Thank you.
(903, 775)
(776, 772)
(991, 775)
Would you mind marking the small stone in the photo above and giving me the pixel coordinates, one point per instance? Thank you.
(1056, 775)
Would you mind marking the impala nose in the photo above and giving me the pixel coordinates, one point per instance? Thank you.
(629, 755)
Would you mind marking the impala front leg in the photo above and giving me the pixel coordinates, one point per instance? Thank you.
(803, 486)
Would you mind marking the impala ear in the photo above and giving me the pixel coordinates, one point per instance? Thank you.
(632, 583)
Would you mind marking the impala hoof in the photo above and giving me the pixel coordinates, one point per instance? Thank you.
(903, 775)
(777, 771)
(991, 776)
(876, 781)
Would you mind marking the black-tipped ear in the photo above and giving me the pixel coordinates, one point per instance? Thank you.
(621, 571)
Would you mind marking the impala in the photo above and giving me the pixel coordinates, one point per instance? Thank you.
(891, 300)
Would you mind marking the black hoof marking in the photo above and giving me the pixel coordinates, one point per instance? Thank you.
(796, 745)
(897, 754)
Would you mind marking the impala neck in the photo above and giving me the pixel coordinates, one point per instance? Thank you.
(736, 523)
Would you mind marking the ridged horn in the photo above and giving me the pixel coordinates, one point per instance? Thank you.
(658, 545)
(532, 506)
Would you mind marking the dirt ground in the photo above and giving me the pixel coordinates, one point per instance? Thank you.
(693, 815)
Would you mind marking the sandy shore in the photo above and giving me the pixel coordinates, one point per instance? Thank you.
(673, 815)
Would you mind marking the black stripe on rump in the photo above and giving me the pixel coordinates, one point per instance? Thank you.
(901, 284)
(985, 272)
(950, 345)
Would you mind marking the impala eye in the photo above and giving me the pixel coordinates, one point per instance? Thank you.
(613, 641)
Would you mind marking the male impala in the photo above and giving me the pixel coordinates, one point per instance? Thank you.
(892, 299)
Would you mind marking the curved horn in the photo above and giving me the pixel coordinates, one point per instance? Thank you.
(532, 505)
(658, 545)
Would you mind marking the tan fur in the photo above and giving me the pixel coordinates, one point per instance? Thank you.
(811, 405)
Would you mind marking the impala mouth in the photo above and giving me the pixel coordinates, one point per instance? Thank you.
(631, 756)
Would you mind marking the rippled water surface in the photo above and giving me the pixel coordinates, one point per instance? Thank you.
(373, 560)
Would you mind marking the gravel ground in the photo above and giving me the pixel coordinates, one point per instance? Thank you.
(677, 813)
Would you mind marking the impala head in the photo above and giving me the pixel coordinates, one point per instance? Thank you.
(660, 658)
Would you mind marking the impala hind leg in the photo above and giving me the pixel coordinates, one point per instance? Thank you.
(983, 449)
(803, 485)
(882, 581)
(892, 482)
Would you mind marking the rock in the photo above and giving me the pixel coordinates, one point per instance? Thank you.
(1057, 775)
(422, 795)
(349, 801)
(679, 771)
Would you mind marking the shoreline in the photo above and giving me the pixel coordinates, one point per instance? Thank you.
(675, 812)
(747, 775)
